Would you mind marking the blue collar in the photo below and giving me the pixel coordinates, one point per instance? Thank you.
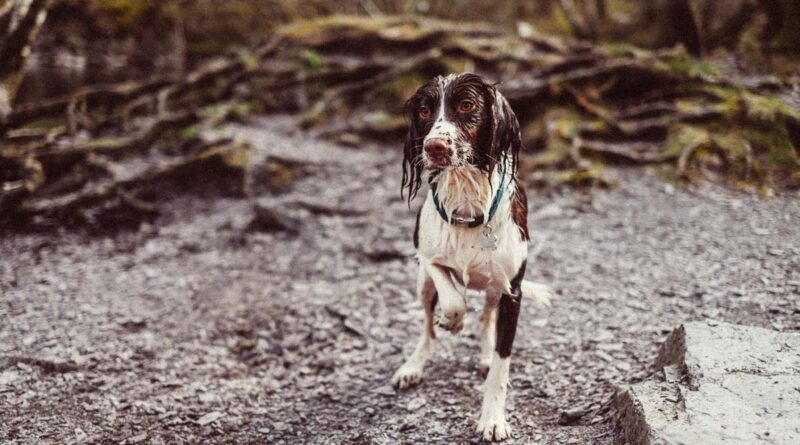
(478, 220)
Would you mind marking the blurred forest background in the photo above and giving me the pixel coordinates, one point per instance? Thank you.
(100, 97)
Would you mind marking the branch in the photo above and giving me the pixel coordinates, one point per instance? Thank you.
(16, 49)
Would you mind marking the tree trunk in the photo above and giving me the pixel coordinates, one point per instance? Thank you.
(685, 28)
(20, 21)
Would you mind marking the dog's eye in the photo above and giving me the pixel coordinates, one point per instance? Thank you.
(424, 112)
(466, 106)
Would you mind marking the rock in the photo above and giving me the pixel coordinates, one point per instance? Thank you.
(139, 438)
(209, 418)
(737, 386)
(416, 403)
(268, 218)
(572, 416)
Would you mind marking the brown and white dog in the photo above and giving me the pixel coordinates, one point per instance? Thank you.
(472, 229)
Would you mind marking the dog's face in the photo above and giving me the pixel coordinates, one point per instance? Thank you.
(454, 115)
(457, 121)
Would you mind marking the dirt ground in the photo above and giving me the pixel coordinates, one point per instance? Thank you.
(198, 329)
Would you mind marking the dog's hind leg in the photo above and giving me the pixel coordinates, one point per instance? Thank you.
(411, 372)
(492, 424)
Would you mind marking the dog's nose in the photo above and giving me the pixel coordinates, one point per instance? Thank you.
(435, 148)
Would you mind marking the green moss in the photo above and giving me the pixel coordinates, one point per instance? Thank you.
(395, 92)
(211, 110)
(236, 156)
(281, 175)
(126, 12)
(190, 133)
(685, 136)
(768, 109)
(312, 60)
(690, 66)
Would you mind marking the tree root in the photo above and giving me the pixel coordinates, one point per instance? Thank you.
(349, 78)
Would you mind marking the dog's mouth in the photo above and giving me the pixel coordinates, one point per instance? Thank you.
(437, 161)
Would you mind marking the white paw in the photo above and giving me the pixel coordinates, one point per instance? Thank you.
(452, 320)
(407, 376)
(484, 364)
(494, 428)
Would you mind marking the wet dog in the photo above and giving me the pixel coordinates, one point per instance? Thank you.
(472, 229)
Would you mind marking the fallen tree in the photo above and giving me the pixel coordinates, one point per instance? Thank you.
(98, 150)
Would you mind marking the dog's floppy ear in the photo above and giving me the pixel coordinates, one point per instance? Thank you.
(506, 137)
(412, 156)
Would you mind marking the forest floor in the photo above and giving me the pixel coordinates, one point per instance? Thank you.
(197, 329)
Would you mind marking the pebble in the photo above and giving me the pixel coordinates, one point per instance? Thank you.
(209, 418)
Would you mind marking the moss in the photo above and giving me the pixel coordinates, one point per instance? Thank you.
(622, 49)
(556, 152)
(565, 123)
(281, 175)
(126, 12)
(322, 30)
(395, 92)
(312, 60)
(766, 109)
(682, 137)
(246, 108)
(313, 115)
(237, 156)
(690, 66)
(190, 133)
(211, 110)
(105, 143)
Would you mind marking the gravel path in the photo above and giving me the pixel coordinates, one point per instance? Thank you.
(198, 330)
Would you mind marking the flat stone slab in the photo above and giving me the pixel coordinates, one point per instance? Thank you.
(717, 383)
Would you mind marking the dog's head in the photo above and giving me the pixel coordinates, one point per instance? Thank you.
(456, 121)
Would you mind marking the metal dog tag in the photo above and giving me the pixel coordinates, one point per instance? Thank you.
(488, 240)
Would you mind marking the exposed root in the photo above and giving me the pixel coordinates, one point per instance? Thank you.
(349, 77)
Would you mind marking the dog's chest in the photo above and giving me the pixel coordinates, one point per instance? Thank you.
(466, 252)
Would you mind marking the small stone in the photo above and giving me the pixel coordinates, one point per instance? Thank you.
(385, 390)
(416, 403)
(137, 438)
(604, 356)
(671, 373)
(209, 418)
(623, 366)
(571, 416)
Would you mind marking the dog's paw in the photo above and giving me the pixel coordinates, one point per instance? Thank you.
(494, 428)
(483, 367)
(452, 320)
(407, 376)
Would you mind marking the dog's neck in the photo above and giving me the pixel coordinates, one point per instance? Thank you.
(466, 191)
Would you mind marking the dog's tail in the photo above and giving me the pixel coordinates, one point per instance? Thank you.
(539, 293)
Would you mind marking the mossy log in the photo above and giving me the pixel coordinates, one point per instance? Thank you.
(580, 107)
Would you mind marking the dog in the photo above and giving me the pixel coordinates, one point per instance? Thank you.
(472, 230)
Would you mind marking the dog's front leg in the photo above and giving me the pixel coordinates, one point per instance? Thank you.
(451, 301)
(492, 424)
(488, 330)
(411, 372)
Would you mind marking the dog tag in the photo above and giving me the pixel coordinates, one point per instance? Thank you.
(488, 239)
